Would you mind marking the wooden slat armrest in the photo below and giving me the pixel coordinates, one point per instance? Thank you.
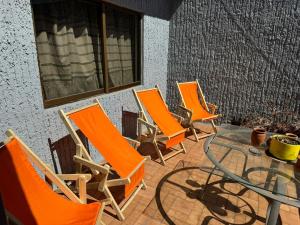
(118, 182)
(179, 118)
(149, 125)
(189, 114)
(85, 176)
(148, 157)
(133, 142)
(186, 109)
(81, 181)
(102, 169)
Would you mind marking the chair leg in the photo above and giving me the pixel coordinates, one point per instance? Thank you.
(99, 218)
(114, 204)
(214, 126)
(195, 133)
(159, 153)
(182, 146)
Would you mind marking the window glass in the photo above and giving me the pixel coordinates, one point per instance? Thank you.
(121, 34)
(69, 48)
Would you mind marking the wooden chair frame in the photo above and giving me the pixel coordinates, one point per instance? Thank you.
(102, 170)
(209, 107)
(153, 129)
(58, 179)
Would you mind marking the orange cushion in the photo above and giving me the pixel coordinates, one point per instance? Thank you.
(115, 149)
(189, 92)
(160, 114)
(175, 140)
(28, 198)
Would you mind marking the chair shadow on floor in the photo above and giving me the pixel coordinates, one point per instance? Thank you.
(212, 198)
(62, 152)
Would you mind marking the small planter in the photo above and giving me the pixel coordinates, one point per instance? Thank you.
(258, 136)
(284, 147)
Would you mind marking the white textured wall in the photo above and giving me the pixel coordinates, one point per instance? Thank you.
(21, 105)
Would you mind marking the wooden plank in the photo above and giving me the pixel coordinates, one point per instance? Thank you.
(72, 98)
(80, 146)
(177, 133)
(180, 93)
(202, 96)
(79, 109)
(187, 82)
(147, 89)
(139, 105)
(131, 197)
(136, 168)
(160, 94)
(118, 182)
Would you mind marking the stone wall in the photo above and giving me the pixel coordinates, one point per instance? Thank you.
(21, 103)
(246, 55)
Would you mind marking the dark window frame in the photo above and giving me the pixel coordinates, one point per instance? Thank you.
(106, 89)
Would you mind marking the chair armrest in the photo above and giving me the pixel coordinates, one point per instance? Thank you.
(179, 118)
(152, 129)
(188, 112)
(81, 181)
(212, 107)
(149, 126)
(102, 169)
(145, 123)
(77, 176)
(133, 142)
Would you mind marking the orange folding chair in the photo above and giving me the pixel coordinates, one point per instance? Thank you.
(197, 109)
(165, 123)
(28, 199)
(116, 150)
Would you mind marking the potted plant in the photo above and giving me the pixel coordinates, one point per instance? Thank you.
(284, 147)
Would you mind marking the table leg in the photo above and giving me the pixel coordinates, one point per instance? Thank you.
(274, 206)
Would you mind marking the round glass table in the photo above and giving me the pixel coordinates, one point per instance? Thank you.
(279, 181)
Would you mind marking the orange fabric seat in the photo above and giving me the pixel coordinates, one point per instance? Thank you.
(189, 92)
(115, 149)
(161, 115)
(30, 200)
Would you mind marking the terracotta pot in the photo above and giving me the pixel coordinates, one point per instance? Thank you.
(258, 136)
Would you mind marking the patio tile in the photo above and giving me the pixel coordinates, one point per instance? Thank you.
(180, 195)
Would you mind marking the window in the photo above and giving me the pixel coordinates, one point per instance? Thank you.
(85, 48)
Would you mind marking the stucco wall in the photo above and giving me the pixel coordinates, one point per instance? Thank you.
(246, 54)
(21, 106)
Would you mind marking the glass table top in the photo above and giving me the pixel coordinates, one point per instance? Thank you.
(232, 152)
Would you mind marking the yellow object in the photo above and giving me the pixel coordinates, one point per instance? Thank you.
(282, 150)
